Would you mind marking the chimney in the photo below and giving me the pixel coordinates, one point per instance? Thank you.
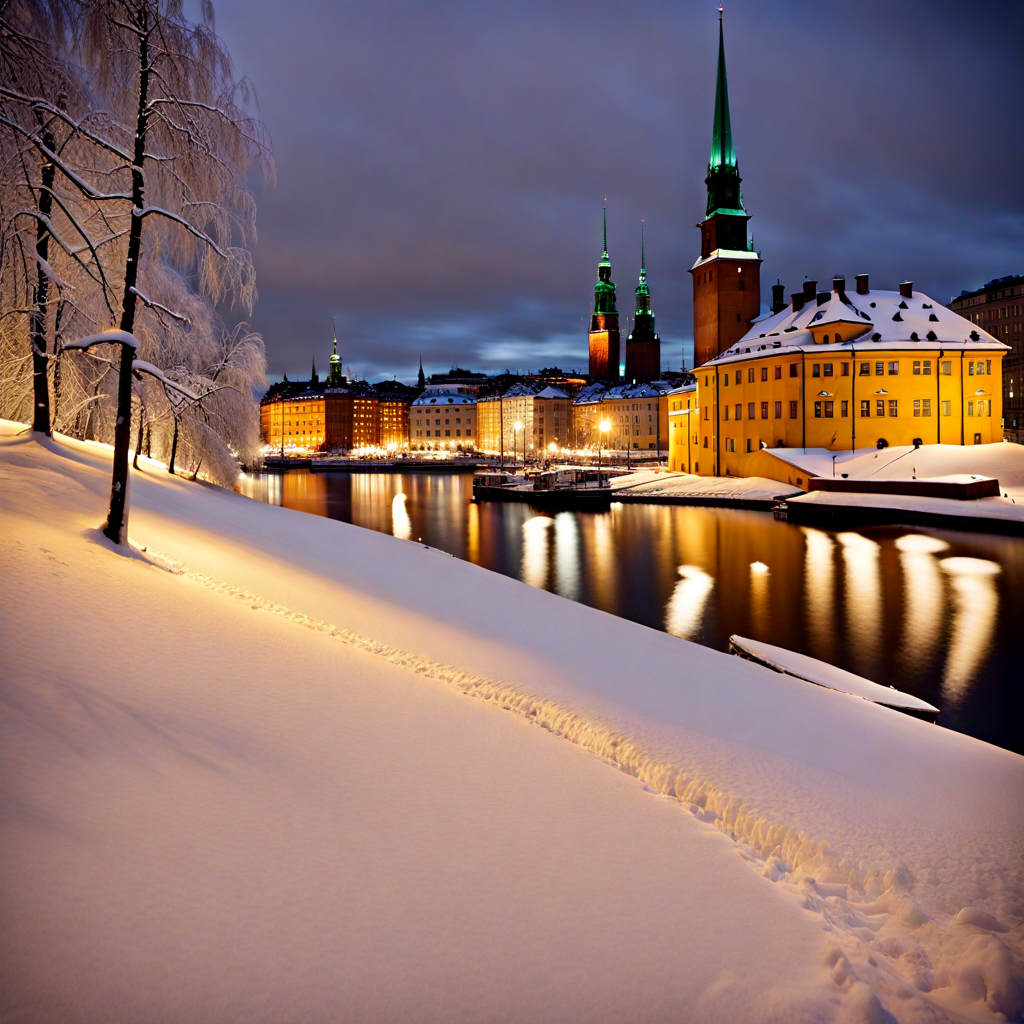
(839, 287)
(823, 297)
(810, 287)
(778, 298)
(907, 289)
(798, 301)
(862, 283)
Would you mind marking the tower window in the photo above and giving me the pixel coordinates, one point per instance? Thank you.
(778, 371)
(794, 370)
(764, 373)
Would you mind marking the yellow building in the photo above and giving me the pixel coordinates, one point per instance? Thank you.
(544, 418)
(443, 417)
(683, 425)
(301, 418)
(846, 372)
(638, 416)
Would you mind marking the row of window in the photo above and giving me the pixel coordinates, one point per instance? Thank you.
(920, 367)
(447, 433)
(447, 422)
(826, 409)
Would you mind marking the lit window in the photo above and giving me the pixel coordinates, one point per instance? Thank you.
(828, 369)
(865, 369)
(894, 368)
(880, 407)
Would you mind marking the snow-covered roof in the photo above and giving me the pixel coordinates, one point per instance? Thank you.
(550, 392)
(591, 394)
(434, 400)
(885, 318)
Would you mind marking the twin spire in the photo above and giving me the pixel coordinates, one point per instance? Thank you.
(604, 290)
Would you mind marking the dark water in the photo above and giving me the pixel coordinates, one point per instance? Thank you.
(936, 613)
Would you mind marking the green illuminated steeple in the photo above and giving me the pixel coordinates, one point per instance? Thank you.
(643, 346)
(723, 180)
(643, 293)
(604, 290)
(334, 377)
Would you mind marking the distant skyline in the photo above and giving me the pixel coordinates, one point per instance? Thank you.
(442, 168)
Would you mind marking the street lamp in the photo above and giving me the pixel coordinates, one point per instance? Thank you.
(605, 427)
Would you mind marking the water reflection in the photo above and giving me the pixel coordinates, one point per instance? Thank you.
(567, 556)
(759, 573)
(401, 524)
(535, 551)
(819, 575)
(975, 602)
(923, 594)
(686, 606)
(863, 599)
(952, 626)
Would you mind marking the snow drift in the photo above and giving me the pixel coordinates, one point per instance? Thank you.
(901, 840)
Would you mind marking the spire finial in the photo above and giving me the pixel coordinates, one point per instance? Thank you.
(606, 227)
(722, 152)
(643, 255)
(335, 321)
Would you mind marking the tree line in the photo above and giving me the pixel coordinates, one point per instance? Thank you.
(127, 149)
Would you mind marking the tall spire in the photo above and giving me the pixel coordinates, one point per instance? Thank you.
(723, 180)
(722, 152)
(643, 293)
(643, 346)
(334, 376)
(604, 290)
(421, 380)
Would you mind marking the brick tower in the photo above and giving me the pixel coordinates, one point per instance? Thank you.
(727, 277)
(604, 324)
(643, 346)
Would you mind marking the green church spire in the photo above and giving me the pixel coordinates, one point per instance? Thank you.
(604, 290)
(723, 178)
(334, 376)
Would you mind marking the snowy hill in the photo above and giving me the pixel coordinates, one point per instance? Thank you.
(240, 779)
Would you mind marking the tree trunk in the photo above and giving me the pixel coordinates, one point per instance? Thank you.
(138, 440)
(40, 385)
(174, 447)
(117, 520)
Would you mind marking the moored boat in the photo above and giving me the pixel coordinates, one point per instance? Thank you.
(821, 673)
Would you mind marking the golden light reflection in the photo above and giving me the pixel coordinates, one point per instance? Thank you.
(863, 597)
(975, 608)
(567, 556)
(401, 524)
(602, 561)
(923, 594)
(819, 573)
(473, 533)
(759, 607)
(535, 551)
(685, 608)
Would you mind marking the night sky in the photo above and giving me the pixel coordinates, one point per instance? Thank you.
(441, 167)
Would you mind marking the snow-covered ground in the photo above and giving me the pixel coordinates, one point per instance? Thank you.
(687, 485)
(1004, 461)
(240, 779)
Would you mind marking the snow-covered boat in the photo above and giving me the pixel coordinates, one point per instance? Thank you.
(821, 673)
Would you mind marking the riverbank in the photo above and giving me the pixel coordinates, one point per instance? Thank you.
(662, 487)
(242, 773)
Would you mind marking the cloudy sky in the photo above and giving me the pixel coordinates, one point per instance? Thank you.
(441, 166)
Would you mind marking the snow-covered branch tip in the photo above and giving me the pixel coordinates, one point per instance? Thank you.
(201, 235)
(112, 337)
(156, 305)
(141, 366)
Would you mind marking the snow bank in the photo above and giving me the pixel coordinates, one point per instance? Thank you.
(196, 811)
(689, 485)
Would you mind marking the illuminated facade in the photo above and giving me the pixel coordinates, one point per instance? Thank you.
(544, 418)
(443, 417)
(842, 372)
(638, 416)
(683, 425)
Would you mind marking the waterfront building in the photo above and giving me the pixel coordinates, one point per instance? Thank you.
(587, 415)
(727, 275)
(998, 308)
(393, 401)
(443, 417)
(643, 346)
(842, 372)
(292, 414)
(637, 415)
(683, 424)
(604, 322)
(544, 418)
